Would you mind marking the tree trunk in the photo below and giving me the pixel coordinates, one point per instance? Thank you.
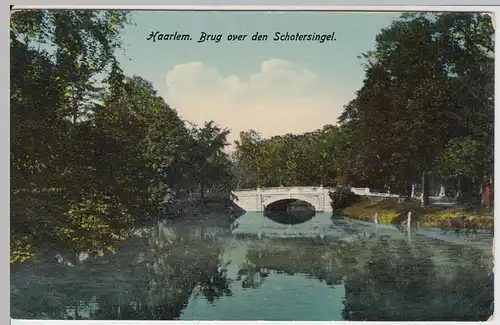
(409, 190)
(202, 195)
(465, 194)
(425, 190)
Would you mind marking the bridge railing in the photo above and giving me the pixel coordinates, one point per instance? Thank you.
(309, 189)
(290, 189)
(282, 189)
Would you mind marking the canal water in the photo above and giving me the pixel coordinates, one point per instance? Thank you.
(261, 269)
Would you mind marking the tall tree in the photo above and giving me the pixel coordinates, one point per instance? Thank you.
(408, 109)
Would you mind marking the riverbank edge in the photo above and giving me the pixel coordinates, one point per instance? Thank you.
(390, 211)
(212, 213)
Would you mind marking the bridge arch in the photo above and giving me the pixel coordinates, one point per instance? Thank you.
(311, 199)
(257, 199)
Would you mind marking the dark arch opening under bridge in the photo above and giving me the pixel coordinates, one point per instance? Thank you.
(289, 211)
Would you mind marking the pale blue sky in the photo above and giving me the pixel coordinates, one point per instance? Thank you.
(307, 82)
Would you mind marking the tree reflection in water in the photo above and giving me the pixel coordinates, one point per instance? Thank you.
(307, 256)
(385, 280)
(152, 286)
(154, 277)
(401, 282)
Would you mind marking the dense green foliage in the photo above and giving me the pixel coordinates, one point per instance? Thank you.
(343, 197)
(304, 159)
(93, 152)
(425, 110)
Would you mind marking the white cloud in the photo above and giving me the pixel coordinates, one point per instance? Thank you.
(280, 98)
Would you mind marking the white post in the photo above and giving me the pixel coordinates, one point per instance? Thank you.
(413, 186)
(367, 190)
(442, 191)
(409, 225)
(321, 202)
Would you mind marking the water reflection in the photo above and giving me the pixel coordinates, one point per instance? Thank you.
(151, 277)
(402, 282)
(193, 273)
(289, 212)
(305, 256)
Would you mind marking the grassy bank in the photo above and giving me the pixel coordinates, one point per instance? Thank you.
(436, 216)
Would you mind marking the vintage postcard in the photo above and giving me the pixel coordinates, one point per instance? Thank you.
(232, 165)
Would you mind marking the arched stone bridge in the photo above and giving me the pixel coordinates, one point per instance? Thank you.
(257, 199)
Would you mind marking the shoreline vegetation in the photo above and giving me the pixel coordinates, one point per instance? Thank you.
(96, 153)
(390, 211)
(217, 213)
(211, 214)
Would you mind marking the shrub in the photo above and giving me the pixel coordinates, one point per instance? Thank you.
(342, 197)
(21, 250)
(93, 223)
(389, 217)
